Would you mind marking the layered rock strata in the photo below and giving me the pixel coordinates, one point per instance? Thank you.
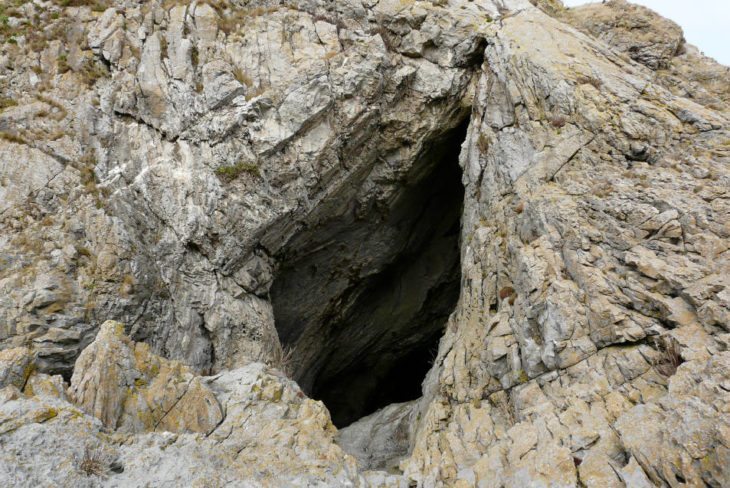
(180, 168)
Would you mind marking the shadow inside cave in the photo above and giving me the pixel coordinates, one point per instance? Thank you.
(361, 297)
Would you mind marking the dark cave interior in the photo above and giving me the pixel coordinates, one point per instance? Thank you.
(362, 299)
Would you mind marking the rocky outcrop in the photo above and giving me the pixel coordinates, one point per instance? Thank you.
(249, 185)
(680, 437)
(131, 390)
(382, 439)
(632, 29)
(594, 234)
(657, 43)
(16, 365)
(267, 432)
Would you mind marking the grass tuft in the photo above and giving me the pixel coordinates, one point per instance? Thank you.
(230, 173)
(558, 121)
(671, 356)
(7, 103)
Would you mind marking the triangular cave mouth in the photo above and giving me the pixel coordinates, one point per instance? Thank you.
(361, 298)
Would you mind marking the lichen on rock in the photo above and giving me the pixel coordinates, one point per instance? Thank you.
(132, 390)
(214, 215)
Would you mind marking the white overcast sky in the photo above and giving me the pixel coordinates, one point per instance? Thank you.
(706, 23)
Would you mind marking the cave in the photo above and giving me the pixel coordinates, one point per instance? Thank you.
(362, 294)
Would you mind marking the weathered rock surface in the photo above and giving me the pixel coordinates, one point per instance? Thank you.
(268, 433)
(381, 439)
(632, 29)
(131, 390)
(657, 43)
(176, 166)
(16, 366)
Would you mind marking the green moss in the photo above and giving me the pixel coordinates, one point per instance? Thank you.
(230, 173)
(10, 137)
(7, 103)
(522, 376)
(277, 395)
(63, 65)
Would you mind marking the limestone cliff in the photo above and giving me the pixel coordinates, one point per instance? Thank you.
(361, 243)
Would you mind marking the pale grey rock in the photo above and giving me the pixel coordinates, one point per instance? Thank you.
(172, 166)
(271, 435)
(632, 29)
(380, 440)
(15, 367)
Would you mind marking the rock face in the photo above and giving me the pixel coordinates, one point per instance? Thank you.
(199, 199)
(129, 389)
(657, 43)
(632, 29)
(271, 435)
(382, 439)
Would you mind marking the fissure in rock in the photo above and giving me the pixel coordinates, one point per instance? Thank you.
(362, 296)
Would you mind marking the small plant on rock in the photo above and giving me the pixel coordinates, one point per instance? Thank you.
(671, 356)
(284, 359)
(558, 121)
(91, 71)
(242, 77)
(95, 462)
(10, 137)
(230, 173)
(506, 292)
(483, 142)
(63, 65)
(6, 103)
(589, 80)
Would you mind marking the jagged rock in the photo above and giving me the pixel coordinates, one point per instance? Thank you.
(40, 384)
(224, 177)
(380, 440)
(16, 365)
(632, 29)
(683, 437)
(271, 435)
(657, 43)
(130, 389)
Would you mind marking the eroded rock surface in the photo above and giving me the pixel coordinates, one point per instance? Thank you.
(131, 390)
(657, 43)
(382, 439)
(172, 165)
(271, 435)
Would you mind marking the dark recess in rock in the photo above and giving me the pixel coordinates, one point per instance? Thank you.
(362, 298)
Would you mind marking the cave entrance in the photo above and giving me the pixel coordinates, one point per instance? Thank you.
(362, 295)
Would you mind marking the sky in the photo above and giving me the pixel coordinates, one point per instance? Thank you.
(706, 23)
